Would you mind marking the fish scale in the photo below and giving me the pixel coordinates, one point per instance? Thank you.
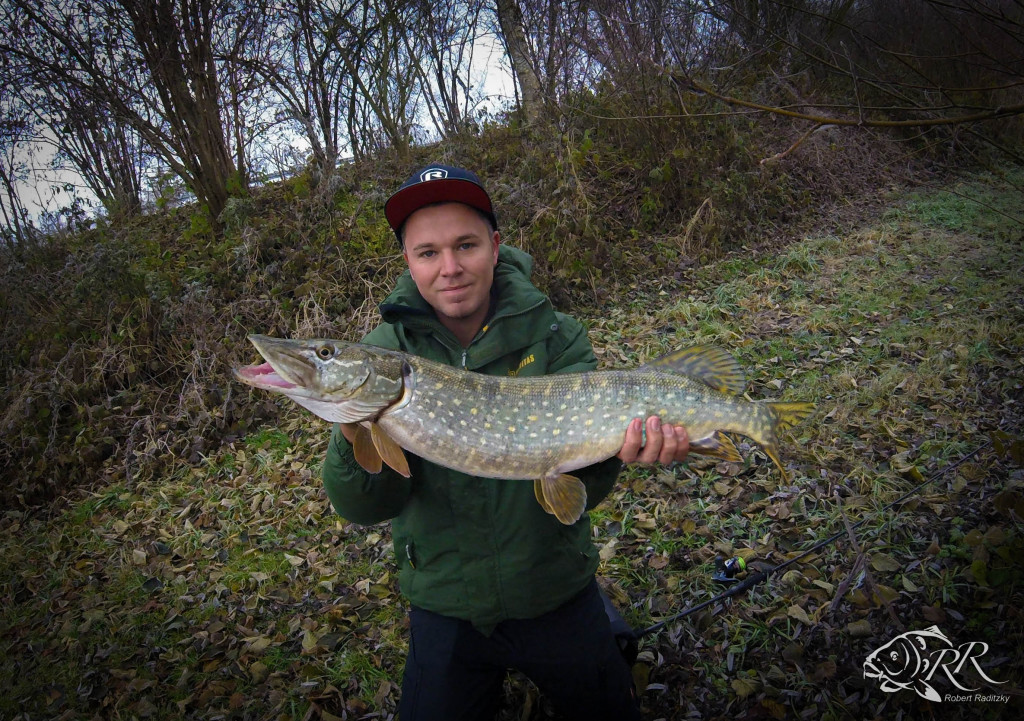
(536, 428)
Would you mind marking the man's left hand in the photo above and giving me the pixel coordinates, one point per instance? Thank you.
(665, 443)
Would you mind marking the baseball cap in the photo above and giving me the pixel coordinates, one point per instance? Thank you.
(437, 184)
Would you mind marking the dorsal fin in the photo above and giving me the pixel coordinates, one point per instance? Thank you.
(714, 367)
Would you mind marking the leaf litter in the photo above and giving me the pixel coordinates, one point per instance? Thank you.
(228, 589)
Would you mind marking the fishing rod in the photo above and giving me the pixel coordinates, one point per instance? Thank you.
(763, 573)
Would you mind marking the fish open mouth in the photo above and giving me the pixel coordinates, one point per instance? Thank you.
(263, 376)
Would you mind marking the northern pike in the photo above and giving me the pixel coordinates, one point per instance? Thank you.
(535, 428)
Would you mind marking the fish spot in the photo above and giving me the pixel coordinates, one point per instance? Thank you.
(511, 429)
(590, 410)
(574, 419)
(589, 422)
(438, 386)
(622, 418)
(473, 411)
(559, 419)
(431, 414)
(556, 432)
(531, 418)
(487, 425)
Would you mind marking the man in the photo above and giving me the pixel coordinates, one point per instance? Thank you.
(494, 581)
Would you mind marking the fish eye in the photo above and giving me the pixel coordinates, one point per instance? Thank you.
(893, 655)
(325, 352)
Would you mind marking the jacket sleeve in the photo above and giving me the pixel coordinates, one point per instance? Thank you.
(575, 356)
(357, 495)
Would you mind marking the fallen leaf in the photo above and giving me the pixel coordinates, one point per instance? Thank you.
(799, 614)
(859, 629)
(884, 562)
(744, 686)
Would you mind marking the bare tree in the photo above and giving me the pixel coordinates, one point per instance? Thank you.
(382, 81)
(544, 42)
(294, 52)
(15, 134)
(151, 65)
(440, 39)
(108, 154)
(512, 31)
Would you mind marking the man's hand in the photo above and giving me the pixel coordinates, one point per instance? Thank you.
(665, 443)
(349, 431)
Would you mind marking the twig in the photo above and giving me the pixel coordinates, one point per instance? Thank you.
(869, 581)
(999, 112)
(779, 156)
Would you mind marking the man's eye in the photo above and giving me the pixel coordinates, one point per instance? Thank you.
(427, 254)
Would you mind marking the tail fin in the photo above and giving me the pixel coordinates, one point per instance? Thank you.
(784, 417)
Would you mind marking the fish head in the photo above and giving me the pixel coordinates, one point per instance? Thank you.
(340, 382)
(896, 661)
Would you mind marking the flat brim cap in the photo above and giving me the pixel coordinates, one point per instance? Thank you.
(437, 184)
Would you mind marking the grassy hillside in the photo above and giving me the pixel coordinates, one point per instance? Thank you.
(193, 568)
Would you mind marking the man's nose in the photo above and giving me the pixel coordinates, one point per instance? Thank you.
(449, 263)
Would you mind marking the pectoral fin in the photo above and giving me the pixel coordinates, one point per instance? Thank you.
(364, 450)
(389, 451)
(717, 445)
(563, 496)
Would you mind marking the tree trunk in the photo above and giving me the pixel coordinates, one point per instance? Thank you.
(510, 22)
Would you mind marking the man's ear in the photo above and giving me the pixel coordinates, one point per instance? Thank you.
(495, 241)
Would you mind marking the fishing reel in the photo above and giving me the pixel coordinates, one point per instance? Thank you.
(726, 569)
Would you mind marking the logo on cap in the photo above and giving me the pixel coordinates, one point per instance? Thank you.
(433, 174)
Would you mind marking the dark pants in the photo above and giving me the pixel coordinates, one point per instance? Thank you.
(455, 673)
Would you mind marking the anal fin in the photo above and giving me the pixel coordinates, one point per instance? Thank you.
(717, 445)
(562, 495)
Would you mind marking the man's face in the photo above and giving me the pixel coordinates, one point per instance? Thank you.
(451, 254)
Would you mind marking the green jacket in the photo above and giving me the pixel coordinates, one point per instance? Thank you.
(478, 549)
